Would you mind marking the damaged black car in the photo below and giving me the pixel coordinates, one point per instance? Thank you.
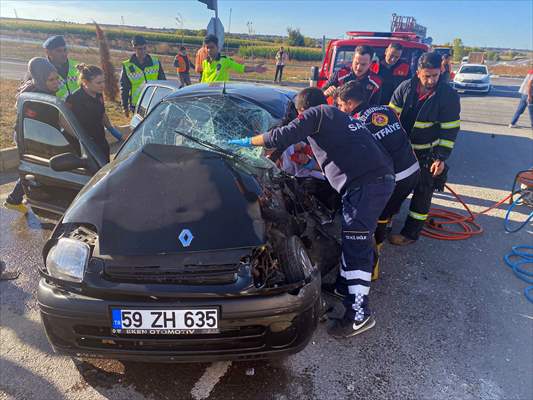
(182, 248)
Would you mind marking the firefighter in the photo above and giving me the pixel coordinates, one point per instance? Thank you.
(360, 71)
(140, 68)
(429, 112)
(57, 53)
(217, 68)
(385, 126)
(357, 167)
(391, 70)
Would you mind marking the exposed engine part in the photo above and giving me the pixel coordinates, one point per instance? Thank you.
(265, 267)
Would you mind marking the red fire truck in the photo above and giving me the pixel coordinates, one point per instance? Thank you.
(340, 52)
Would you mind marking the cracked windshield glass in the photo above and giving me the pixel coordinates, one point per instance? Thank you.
(213, 119)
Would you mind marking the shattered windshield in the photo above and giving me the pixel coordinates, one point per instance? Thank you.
(212, 119)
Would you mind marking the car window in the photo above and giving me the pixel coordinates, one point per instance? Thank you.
(214, 119)
(142, 110)
(473, 69)
(159, 93)
(43, 132)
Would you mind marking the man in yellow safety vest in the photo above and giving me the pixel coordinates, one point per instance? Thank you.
(56, 52)
(140, 68)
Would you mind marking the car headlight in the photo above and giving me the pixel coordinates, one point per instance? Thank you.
(458, 79)
(68, 259)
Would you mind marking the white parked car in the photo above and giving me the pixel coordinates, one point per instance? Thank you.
(472, 78)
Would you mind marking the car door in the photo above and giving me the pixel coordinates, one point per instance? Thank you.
(46, 129)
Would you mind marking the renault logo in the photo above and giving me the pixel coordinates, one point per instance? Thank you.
(185, 237)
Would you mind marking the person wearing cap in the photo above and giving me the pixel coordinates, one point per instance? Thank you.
(217, 68)
(140, 68)
(56, 52)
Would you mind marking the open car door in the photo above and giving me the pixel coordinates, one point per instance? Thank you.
(57, 158)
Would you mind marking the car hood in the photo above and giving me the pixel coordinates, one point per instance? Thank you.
(170, 199)
(472, 76)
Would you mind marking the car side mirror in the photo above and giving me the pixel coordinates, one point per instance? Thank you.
(67, 162)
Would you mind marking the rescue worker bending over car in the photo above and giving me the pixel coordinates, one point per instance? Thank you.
(429, 112)
(359, 71)
(384, 125)
(358, 168)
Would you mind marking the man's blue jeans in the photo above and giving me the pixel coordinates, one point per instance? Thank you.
(361, 208)
(521, 108)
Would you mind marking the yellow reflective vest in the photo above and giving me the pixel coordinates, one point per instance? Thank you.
(71, 84)
(138, 77)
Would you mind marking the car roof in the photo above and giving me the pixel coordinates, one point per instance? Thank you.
(273, 99)
(175, 85)
(473, 65)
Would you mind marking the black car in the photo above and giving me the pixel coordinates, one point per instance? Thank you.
(182, 248)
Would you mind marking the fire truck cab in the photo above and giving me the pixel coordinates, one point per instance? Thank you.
(340, 52)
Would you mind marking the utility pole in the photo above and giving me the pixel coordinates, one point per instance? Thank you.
(250, 25)
(229, 24)
(16, 15)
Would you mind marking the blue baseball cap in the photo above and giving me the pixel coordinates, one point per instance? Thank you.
(54, 42)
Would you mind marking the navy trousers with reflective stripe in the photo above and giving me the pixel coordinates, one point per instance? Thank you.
(420, 203)
(361, 208)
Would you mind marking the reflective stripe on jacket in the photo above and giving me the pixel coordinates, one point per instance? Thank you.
(71, 84)
(138, 77)
(438, 120)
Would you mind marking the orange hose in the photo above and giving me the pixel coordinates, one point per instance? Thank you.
(439, 219)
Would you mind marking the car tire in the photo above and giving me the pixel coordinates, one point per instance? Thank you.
(294, 260)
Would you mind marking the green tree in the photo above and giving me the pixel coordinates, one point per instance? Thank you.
(295, 37)
(458, 49)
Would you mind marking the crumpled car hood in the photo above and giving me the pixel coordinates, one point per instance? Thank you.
(170, 199)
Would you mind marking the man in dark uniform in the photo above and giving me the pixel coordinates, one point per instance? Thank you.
(359, 71)
(384, 125)
(391, 70)
(140, 68)
(359, 169)
(429, 112)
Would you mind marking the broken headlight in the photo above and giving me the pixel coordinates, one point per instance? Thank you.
(67, 260)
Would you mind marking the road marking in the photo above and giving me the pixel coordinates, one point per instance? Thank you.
(209, 379)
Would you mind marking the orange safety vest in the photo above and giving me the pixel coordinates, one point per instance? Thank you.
(183, 65)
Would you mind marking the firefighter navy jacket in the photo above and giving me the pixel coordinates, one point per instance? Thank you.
(345, 150)
(385, 126)
(436, 123)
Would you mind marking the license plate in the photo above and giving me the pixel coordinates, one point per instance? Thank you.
(164, 322)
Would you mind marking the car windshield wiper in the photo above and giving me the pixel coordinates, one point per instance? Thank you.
(210, 146)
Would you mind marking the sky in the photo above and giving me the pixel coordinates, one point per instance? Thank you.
(477, 22)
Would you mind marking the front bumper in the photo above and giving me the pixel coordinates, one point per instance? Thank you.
(249, 327)
(472, 87)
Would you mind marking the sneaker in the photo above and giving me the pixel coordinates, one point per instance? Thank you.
(331, 289)
(345, 327)
(400, 240)
(17, 207)
(512, 125)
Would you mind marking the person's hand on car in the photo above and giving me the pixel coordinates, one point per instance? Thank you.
(115, 132)
(243, 142)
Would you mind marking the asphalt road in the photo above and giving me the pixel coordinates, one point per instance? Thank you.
(452, 320)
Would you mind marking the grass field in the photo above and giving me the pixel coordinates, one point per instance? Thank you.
(295, 71)
(8, 114)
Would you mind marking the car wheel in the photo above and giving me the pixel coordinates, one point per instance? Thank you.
(295, 262)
